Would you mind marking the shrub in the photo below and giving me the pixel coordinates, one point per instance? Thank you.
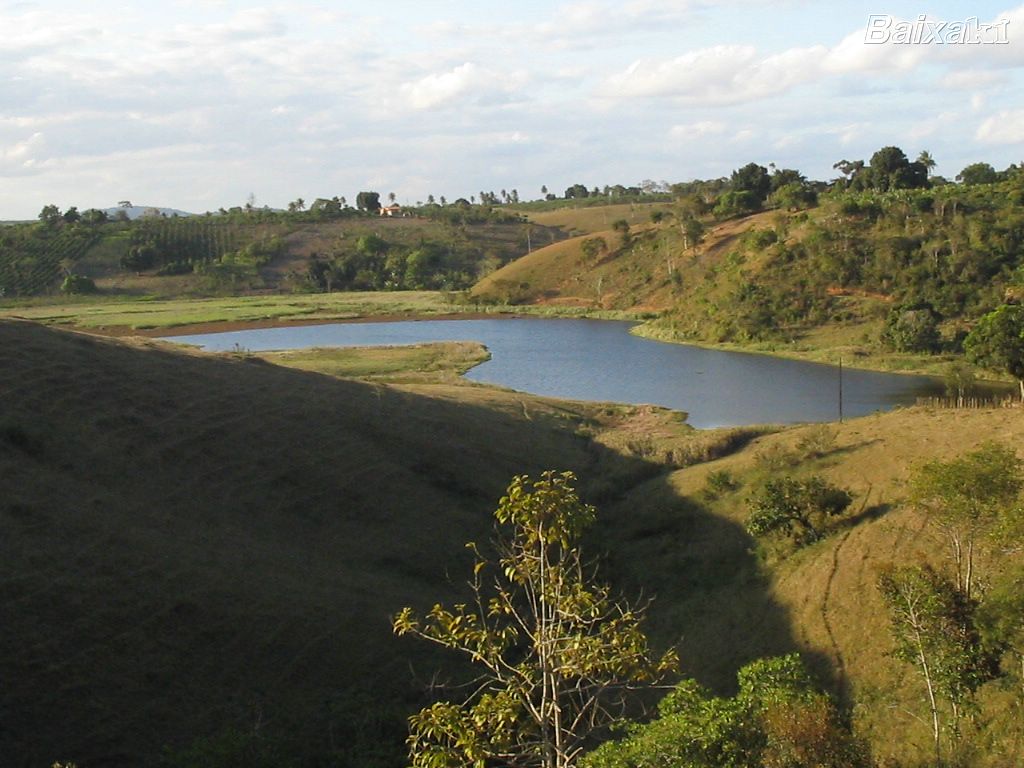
(796, 508)
(75, 284)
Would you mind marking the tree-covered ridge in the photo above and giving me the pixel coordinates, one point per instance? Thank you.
(243, 249)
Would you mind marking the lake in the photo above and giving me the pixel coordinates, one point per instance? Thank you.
(601, 360)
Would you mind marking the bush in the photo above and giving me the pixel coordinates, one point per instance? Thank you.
(77, 284)
(818, 441)
(718, 483)
(912, 329)
(795, 508)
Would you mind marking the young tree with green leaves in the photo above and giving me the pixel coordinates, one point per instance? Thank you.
(559, 654)
(933, 626)
(966, 496)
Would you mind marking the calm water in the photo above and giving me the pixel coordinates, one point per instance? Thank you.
(601, 360)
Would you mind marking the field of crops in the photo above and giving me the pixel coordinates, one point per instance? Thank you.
(33, 259)
(194, 240)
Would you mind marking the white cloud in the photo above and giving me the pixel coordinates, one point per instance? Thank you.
(854, 56)
(695, 131)
(972, 79)
(22, 156)
(724, 74)
(1003, 128)
(466, 83)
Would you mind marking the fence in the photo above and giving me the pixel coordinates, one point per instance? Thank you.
(999, 401)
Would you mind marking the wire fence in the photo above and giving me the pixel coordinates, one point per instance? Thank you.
(997, 401)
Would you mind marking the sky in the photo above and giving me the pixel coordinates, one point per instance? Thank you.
(202, 104)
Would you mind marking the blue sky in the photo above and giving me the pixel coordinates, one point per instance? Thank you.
(197, 104)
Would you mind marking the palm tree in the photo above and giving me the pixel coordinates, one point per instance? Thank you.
(926, 159)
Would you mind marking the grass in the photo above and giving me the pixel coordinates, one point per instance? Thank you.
(143, 314)
(597, 218)
(443, 361)
(202, 542)
(198, 541)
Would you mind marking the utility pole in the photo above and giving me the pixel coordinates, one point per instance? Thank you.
(840, 389)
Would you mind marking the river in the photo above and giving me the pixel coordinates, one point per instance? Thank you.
(601, 360)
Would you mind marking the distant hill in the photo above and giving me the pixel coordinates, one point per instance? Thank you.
(138, 211)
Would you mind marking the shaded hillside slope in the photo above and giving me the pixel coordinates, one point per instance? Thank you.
(196, 543)
(197, 546)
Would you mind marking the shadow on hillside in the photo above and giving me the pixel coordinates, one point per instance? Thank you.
(708, 594)
(195, 544)
(867, 514)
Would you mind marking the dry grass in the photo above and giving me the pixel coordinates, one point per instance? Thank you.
(443, 361)
(593, 219)
(827, 592)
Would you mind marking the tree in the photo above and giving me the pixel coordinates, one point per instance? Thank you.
(558, 653)
(960, 380)
(50, 215)
(889, 169)
(752, 178)
(964, 496)
(978, 173)
(795, 507)
(850, 169)
(997, 341)
(592, 247)
(933, 627)
(94, 216)
(78, 284)
(692, 230)
(736, 203)
(776, 720)
(1001, 621)
(912, 329)
(368, 201)
(794, 196)
(925, 158)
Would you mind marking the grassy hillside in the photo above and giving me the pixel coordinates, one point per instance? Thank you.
(889, 280)
(206, 545)
(574, 219)
(647, 270)
(823, 599)
(198, 543)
